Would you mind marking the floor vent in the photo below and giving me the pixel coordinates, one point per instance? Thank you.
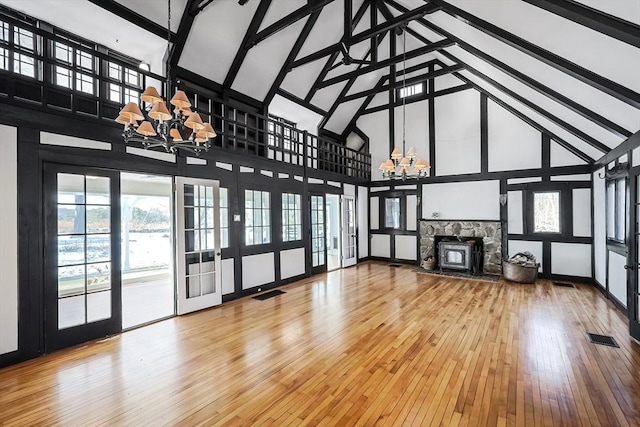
(564, 284)
(394, 265)
(602, 340)
(269, 294)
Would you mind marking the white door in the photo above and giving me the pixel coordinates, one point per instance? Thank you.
(198, 248)
(350, 250)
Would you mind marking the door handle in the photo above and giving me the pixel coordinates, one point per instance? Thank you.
(628, 267)
(218, 254)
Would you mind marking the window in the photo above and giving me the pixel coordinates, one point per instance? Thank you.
(84, 83)
(280, 132)
(412, 90)
(4, 59)
(392, 212)
(4, 31)
(224, 218)
(63, 52)
(131, 95)
(114, 71)
(114, 92)
(23, 64)
(63, 77)
(257, 217)
(291, 217)
(616, 210)
(546, 212)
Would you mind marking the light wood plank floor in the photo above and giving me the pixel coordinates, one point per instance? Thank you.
(368, 345)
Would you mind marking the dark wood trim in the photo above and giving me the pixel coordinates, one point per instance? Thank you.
(312, 7)
(420, 98)
(484, 133)
(302, 102)
(134, 17)
(431, 112)
(387, 62)
(308, 26)
(586, 76)
(191, 10)
(259, 15)
(597, 20)
(625, 147)
(546, 156)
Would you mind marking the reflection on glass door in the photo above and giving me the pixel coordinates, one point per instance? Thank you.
(349, 249)
(318, 253)
(82, 289)
(334, 234)
(148, 286)
(198, 248)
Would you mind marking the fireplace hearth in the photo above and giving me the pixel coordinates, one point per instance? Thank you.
(462, 255)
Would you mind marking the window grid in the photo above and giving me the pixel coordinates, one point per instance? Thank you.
(4, 59)
(291, 217)
(224, 218)
(84, 83)
(4, 31)
(257, 217)
(63, 77)
(412, 90)
(24, 65)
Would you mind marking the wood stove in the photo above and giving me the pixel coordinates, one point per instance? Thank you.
(456, 255)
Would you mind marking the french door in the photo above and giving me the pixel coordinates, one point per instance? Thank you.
(82, 290)
(198, 244)
(633, 290)
(318, 234)
(349, 238)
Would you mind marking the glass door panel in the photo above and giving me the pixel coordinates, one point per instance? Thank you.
(349, 250)
(82, 290)
(318, 250)
(198, 249)
(634, 301)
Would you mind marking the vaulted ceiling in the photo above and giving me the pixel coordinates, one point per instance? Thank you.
(570, 68)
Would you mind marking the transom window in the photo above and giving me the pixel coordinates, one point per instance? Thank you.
(546, 212)
(291, 217)
(412, 90)
(257, 217)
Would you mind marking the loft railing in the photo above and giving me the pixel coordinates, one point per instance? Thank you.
(51, 70)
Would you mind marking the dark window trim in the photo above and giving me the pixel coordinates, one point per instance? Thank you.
(560, 212)
(613, 242)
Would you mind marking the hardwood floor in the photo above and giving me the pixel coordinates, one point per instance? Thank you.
(368, 345)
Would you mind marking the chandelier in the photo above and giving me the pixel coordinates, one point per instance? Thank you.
(398, 166)
(181, 130)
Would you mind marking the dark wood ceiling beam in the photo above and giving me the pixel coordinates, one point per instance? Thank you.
(527, 120)
(387, 62)
(308, 26)
(604, 23)
(373, 22)
(522, 78)
(365, 104)
(382, 28)
(259, 15)
(292, 18)
(133, 17)
(610, 87)
(327, 66)
(399, 84)
(191, 10)
(302, 102)
(348, 12)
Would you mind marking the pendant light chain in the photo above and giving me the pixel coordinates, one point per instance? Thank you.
(404, 91)
(168, 47)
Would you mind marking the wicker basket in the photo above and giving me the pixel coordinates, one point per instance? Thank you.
(519, 273)
(429, 265)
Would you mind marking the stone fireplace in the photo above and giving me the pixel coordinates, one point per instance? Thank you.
(489, 231)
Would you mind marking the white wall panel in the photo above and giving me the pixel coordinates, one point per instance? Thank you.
(292, 263)
(349, 190)
(376, 127)
(406, 248)
(513, 144)
(447, 81)
(258, 270)
(458, 133)
(8, 239)
(571, 259)
(515, 214)
(70, 141)
(516, 246)
(560, 156)
(618, 277)
(228, 276)
(599, 228)
(412, 213)
(381, 245)
(374, 213)
(462, 200)
(363, 222)
(582, 212)
(417, 129)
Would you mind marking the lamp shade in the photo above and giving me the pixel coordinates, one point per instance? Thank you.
(160, 112)
(396, 154)
(405, 162)
(175, 134)
(123, 120)
(194, 122)
(132, 111)
(180, 100)
(151, 95)
(389, 165)
(146, 129)
(411, 153)
(382, 166)
(207, 132)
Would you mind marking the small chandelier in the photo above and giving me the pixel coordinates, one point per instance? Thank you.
(397, 167)
(182, 130)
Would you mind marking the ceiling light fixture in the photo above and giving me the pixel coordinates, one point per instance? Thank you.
(182, 130)
(397, 167)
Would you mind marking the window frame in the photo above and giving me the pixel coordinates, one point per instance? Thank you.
(262, 210)
(286, 225)
(618, 183)
(401, 210)
(560, 231)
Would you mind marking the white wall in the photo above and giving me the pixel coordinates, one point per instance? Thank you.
(513, 144)
(406, 248)
(8, 239)
(515, 215)
(571, 259)
(363, 222)
(292, 263)
(228, 276)
(600, 229)
(462, 200)
(582, 212)
(381, 245)
(376, 127)
(457, 130)
(412, 213)
(374, 213)
(618, 277)
(257, 270)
